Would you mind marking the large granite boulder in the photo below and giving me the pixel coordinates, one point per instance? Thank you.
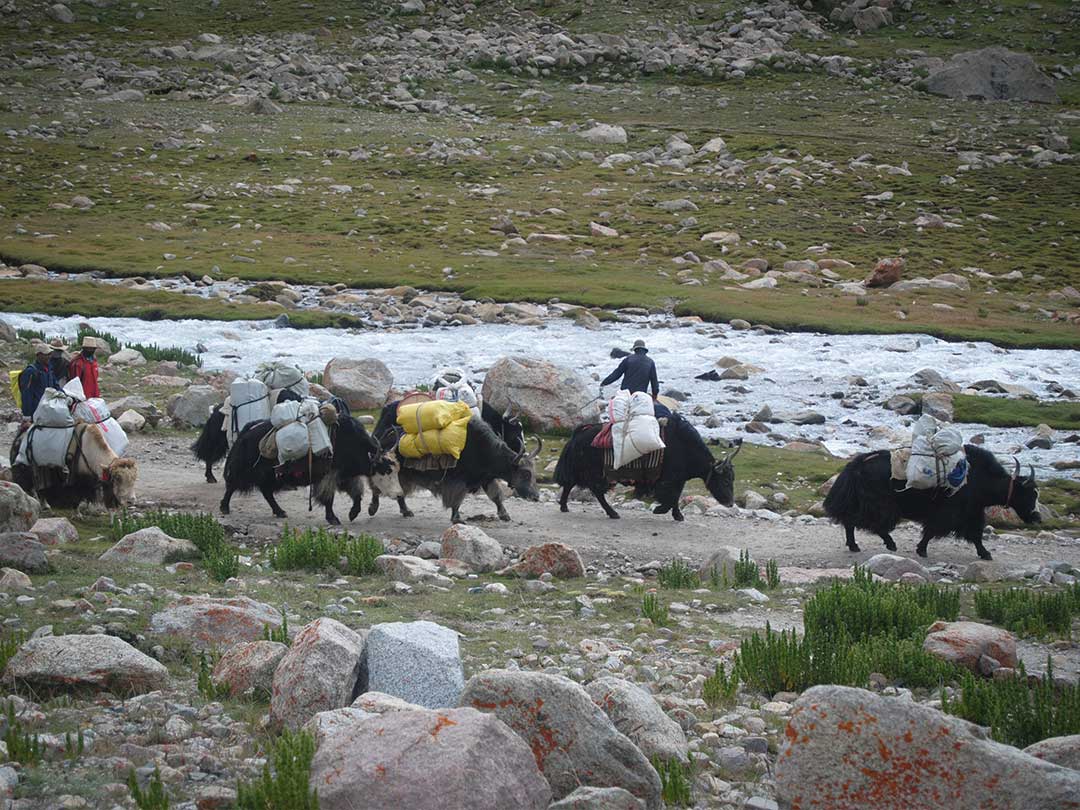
(548, 396)
(211, 623)
(192, 407)
(993, 74)
(318, 673)
(636, 714)
(362, 383)
(416, 661)
(18, 511)
(96, 663)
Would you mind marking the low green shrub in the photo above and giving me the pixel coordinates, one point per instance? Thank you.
(677, 574)
(279, 634)
(720, 688)
(74, 744)
(676, 784)
(285, 785)
(151, 351)
(746, 572)
(1018, 712)
(22, 746)
(772, 575)
(207, 688)
(653, 609)
(154, 797)
(10, 641)
(1030, 613)
(318, 549)
(218, 557)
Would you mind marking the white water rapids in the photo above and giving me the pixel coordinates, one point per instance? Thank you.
(800, 371)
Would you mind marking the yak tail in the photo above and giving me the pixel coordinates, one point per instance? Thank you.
(213, 443)
(843, 499)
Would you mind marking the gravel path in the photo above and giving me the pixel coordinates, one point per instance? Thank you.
(170, 476)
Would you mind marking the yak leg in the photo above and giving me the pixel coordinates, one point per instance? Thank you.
(889, 544)
(921, 548)
(494, 492)
(980, 549)
(373, 507)
(210, 479)
(849, 533)
(357, 505)
(226, 498)
(599, 494)
(331, 518)
(268, 494)
(404, 507)
(564, 497)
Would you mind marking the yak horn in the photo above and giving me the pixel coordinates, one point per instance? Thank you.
(1016, 472)
(539, 447)
(1031, 478)
(507, 412)
(738, 447)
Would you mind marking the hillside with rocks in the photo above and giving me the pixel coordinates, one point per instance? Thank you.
(826, 220)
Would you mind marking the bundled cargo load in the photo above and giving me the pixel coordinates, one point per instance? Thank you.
(248, 401)
(433, 429)
(937, 456)
(94, 411)
(45, 444)
(278, 376)
(635, 431)
(453, 385)
(300, 428)
(74, 389)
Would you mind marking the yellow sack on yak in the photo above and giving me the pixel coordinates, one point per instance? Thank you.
(428, 416)
(449, 441)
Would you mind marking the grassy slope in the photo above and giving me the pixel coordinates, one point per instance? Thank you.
(999, 412)
(422, 217)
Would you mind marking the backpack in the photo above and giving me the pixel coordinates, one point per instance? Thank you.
(16, 392)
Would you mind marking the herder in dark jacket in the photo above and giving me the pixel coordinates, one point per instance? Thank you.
(58, 363)
(638, 372)
(35, 378)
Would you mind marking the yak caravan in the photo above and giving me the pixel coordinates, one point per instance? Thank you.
(476, 404)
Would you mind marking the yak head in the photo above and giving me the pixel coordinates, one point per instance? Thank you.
(720, 480)
(523, 476)
(120, 478)
(1024, 495)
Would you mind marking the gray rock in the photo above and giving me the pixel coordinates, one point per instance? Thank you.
(12, 580)
(934, 381)
(325, 725)
(637, 715)
(210, 623)
(893, 566)
(901, 405)
(1063, 751)
(993, 74)
(605, 134)
(362, 383)
(721, 562)
(843, 744)
(192, 407)
(411, 569)
(319, 672)
(547, 396)
(55, 531)
(18, 510)
(870, 19)
(22, 551)
(150, 546)
(593, 798)
(454, 759)
(248, 667)
(75, 662)
(938, 405)
(472, 546)
(61, 13)
(144, 407)
(573, 741)
(416, 661)
(964, 643)
(807, 418)
(983, 571)
(7, 332)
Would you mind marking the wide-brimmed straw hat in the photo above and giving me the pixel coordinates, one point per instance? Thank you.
(40, 347)
(90, 342)
(57, 343)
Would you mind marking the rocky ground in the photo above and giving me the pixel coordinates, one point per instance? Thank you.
(848, 167)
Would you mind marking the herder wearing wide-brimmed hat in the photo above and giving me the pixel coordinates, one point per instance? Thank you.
(35, 378)
(85, 367)
(637, 370)
(58, 362)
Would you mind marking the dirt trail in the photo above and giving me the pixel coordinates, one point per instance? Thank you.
(170, 476)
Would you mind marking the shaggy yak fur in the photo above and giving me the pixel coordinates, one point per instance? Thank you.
(355, 455)
(213, 443)
(865, 497)
(95, 473)
(485, 461)
(686, 457)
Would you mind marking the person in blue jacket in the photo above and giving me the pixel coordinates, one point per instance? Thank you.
(637, 370)
(34, 379)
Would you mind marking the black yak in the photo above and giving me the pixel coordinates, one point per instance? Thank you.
(864, 496)
(485, 461)
(506, 426)
(686, 457)
(355, 454)
(213, 442)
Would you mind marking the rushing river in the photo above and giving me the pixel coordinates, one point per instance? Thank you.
(799, 371)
